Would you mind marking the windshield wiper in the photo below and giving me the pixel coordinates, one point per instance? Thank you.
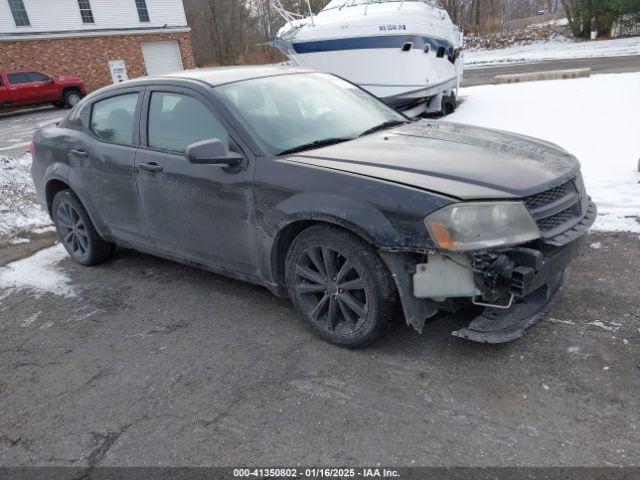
(315, 144)
(384, 126)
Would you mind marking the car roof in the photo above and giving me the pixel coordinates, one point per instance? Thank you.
(222, 75)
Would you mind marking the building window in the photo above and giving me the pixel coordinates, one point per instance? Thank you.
(85, 11)
(143, 12)
(19, 13)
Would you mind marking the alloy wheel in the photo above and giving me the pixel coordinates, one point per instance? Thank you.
(333, 292)
(73, 230)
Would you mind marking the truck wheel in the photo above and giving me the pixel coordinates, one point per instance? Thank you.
(71, 98)
(76, 231)
(339, 286)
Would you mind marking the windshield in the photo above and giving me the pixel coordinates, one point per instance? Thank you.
(349, 3)
(291, 111)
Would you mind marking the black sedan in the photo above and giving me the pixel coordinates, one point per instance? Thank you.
(308, 185)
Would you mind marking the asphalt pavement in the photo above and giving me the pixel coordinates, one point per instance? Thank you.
(17, 127)
(485, 75)
(152, 363)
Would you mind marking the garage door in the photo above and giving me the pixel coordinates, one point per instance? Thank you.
(162, 57)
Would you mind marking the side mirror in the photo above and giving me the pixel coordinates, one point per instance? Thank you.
(212, 152)
(51, 80)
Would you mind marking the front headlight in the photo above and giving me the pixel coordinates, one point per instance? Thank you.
(480, 225)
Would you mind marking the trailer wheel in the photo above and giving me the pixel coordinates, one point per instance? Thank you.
(448, 104)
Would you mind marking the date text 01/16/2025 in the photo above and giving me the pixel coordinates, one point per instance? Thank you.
(314, 473)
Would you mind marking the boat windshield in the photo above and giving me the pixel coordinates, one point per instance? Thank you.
(333, 4)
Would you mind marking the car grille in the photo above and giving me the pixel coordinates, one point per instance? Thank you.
(543, 198)
(554, 221)
(557, 209)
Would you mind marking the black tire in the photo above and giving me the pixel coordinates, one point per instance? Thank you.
(59, 104)
(328, 303)
(76, 231)
(71, 98)
(448, 104)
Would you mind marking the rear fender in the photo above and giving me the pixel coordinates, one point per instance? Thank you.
(63, 173)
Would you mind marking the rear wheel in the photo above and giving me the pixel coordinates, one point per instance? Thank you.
(71, 98)
(339, 286)
(76, 231)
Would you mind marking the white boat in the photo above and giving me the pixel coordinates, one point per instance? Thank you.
(406, 52)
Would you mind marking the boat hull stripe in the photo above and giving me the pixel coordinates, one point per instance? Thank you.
(374, 42)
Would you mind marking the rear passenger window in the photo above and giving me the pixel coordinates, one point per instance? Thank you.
(176, 121)
(112, 119)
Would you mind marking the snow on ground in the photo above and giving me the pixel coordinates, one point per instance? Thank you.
(19, 209)
(38, 273)
(556, 49)
(596, 119)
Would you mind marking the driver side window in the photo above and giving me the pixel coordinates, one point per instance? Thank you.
(177, 120)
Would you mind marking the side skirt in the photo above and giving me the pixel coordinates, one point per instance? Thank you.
(274, 288)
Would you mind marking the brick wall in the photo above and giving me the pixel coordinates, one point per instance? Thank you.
(87, 57)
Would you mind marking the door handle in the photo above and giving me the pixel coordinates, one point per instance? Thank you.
(151, 167)
(78, 152)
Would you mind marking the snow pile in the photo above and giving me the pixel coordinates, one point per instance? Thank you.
(19, 209)
(39, 273)
(596, 119)
(556, 49)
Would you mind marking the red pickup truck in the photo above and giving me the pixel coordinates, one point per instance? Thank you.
(19, 88)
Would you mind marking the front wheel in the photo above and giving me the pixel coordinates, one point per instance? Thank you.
(76, 231)
(339, 286)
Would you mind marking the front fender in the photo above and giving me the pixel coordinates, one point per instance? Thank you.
(361, 217)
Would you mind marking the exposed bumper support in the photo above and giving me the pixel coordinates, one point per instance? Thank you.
(501, 326)
(537, 288)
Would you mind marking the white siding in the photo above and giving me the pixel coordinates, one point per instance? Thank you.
(64, 15)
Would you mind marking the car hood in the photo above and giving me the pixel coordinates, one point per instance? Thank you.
(458, 160)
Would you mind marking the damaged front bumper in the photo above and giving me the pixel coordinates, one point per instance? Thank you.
(519, 284)
(495, 325)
